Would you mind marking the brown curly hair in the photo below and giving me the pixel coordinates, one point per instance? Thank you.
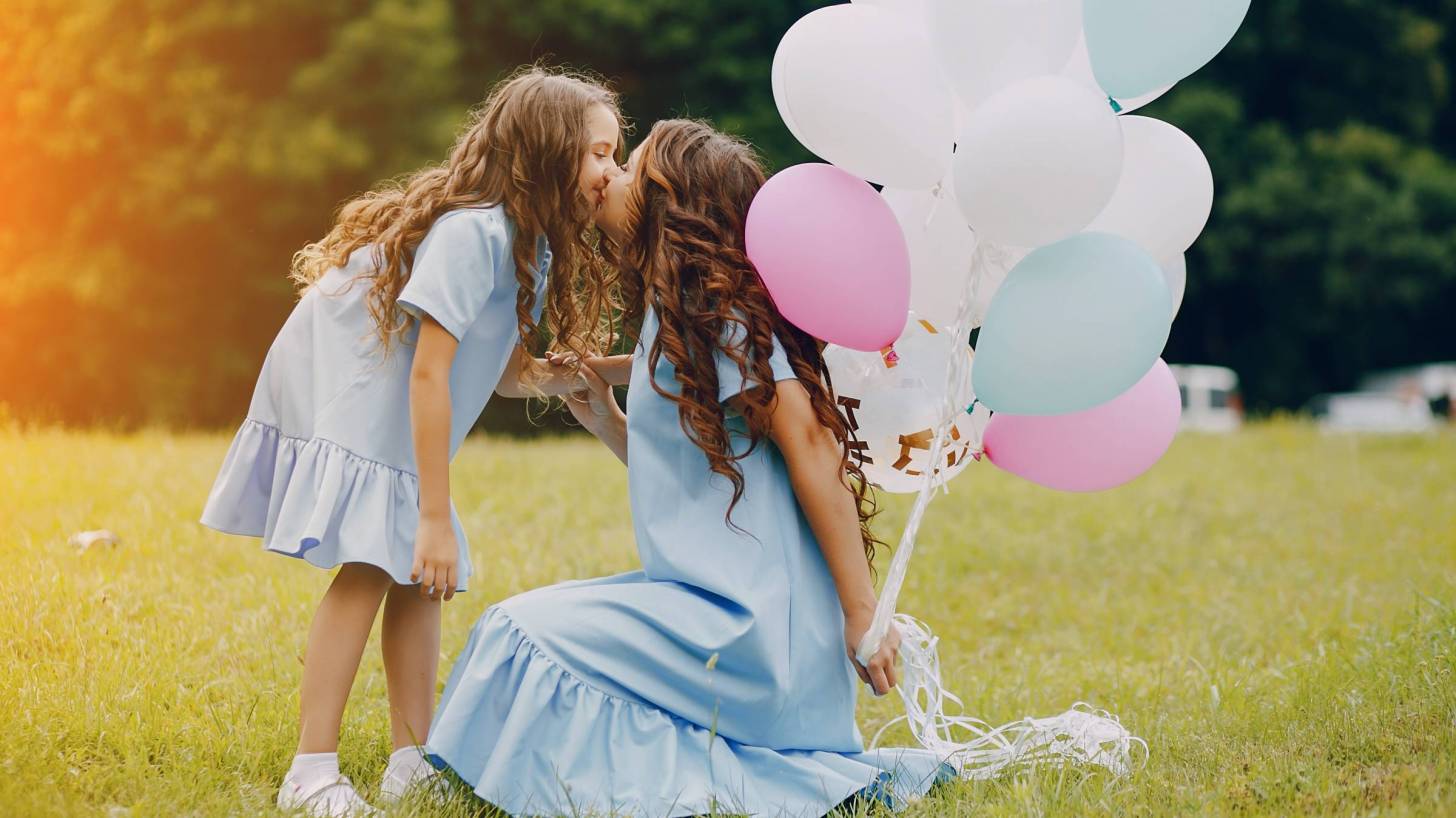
(522, 149)
(684, 253)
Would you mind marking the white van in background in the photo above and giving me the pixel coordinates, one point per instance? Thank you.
(1378, 412)
(1211, 400)
(1434, 383)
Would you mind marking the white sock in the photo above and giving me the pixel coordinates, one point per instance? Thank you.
(404, 762)
(314, 766)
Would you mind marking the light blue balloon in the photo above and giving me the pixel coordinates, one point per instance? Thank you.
(1076, 324)
(1139, 45)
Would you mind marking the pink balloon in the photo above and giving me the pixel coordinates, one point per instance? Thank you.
(1095, 449)
(831, 253)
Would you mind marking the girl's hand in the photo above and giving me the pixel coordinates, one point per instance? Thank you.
(565, 360)
(614, 369)
(436, 557)
(879, 672)
(595, 405)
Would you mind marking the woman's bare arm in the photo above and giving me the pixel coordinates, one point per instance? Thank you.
(596, 409)
(814, 460)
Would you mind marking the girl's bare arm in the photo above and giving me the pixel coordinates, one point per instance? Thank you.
(561, 378)
(436, 552)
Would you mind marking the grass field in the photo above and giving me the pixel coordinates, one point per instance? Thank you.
(1274, 612)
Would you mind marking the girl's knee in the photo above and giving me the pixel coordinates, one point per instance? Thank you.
(363, 576)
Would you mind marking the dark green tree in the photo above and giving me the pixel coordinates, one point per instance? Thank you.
(162, 160)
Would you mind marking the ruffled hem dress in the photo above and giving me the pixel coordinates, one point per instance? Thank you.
(323, 466)
(714, 680)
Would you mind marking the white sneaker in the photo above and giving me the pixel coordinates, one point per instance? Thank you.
(324, 798)
(400, 779)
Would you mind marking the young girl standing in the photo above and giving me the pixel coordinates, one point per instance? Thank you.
(422, 300)
(720, 677)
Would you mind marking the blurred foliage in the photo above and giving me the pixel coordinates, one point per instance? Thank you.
(1332, 246)
(161, 161)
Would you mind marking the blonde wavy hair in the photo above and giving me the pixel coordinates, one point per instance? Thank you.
(522, 149)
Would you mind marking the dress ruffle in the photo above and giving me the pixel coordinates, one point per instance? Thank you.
(533, 739)
(315, 500)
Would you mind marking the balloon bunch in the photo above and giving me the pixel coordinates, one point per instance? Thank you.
(1002, 123)
(1015, 194)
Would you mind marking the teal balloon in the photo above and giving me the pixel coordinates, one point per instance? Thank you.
(1139, 45)
(1076, 324)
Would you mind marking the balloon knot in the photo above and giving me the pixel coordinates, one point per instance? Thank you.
(890, 356)
(1116, 106)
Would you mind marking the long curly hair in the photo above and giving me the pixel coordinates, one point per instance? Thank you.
(522, 149)
(684, 254)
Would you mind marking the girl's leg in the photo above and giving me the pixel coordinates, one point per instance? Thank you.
(411, 641)
(335, 644)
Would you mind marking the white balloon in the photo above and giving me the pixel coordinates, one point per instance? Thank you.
(776, 80)
(941, 250)
(985, 45)
(918, 13)
(1176, 274)
(909, 7)
(1165, 195)
(962, 115)
(860, 90)
(1079, 68)
(1038, 162)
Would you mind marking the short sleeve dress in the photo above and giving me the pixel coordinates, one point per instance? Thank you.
(323, 467)
(712, 681)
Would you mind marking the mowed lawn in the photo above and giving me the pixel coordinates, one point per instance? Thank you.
(1274, 612)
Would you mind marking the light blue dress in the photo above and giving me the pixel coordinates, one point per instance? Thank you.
(603, 695)
(323, 467)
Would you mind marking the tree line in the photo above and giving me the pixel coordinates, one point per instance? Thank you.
(162, 160)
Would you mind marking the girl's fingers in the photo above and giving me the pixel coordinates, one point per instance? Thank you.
(450, 584)
(427, 580)
(877, 675)
(415, 570)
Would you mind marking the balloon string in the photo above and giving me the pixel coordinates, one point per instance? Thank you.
(937, 195)
(973, 748)
(1080, 736)
(957, 373)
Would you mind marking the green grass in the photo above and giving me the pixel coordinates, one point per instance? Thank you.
(1274, 612)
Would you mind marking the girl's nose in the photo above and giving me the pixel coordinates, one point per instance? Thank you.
(612, 171)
